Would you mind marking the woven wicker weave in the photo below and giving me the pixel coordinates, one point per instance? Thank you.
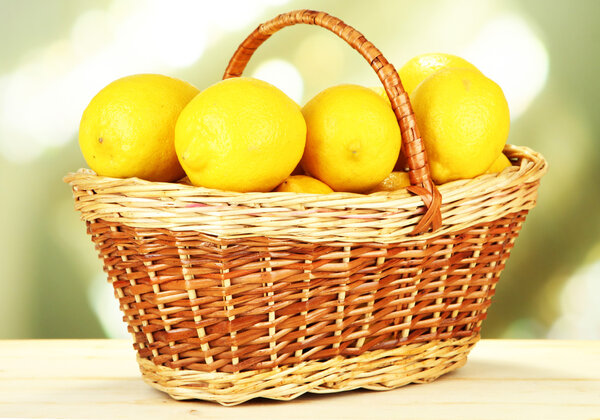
(232, 296)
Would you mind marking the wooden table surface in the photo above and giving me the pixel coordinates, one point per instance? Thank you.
(503, 379)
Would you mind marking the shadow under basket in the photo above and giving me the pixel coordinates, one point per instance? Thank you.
(233, 296)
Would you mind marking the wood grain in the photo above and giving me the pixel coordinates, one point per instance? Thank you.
(502, 379)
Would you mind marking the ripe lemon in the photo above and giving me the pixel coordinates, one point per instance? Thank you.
(401, 163)
(394, 181)
(464, 121)
(380, 90)
(418, 68)
(240, 134)
(501, 163)
(353, 138)
(303, 184)
(128, 127)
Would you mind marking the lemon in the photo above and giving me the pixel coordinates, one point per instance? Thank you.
(418, 68)
(401, 164)
(380, 90)
(501, 163)
(394, 181)
(464, 121)
(303, 184)
(240, 134)
(127, 129)
(352, 140)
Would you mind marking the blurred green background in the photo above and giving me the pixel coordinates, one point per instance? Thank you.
(56, 55)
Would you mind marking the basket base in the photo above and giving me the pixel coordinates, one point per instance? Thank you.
(376, 370)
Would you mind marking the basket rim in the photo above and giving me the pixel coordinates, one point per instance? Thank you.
(529, 173)
(382, 217)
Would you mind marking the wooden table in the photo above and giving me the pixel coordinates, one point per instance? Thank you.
(503, 379)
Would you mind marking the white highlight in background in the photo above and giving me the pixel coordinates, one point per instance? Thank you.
(106, 307)
(43, 98)
(509, 52)
(283, 75)
(580, 306)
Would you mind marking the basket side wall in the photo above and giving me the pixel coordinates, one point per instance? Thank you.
(198, 302)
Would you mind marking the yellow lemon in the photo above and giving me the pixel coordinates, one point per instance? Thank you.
(352, 140)
(303, 184)
(380, 90)
(418, 68)
(464, 121)
(394, 181)
(401, 163)
(240, 134)
(128, 127)
(501, 163)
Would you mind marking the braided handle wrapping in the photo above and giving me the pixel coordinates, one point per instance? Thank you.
(412, 144)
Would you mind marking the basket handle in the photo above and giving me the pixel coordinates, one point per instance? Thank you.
(412, 144)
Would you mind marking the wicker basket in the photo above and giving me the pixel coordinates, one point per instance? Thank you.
(233, 296)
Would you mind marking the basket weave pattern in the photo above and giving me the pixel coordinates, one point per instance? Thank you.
(337, 296)
(377, 370)
(232, 296)
(198, 302)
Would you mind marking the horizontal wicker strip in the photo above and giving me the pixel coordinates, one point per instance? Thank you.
(376, 370)
(386, 217)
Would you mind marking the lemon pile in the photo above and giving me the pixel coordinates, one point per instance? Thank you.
(243, 134)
